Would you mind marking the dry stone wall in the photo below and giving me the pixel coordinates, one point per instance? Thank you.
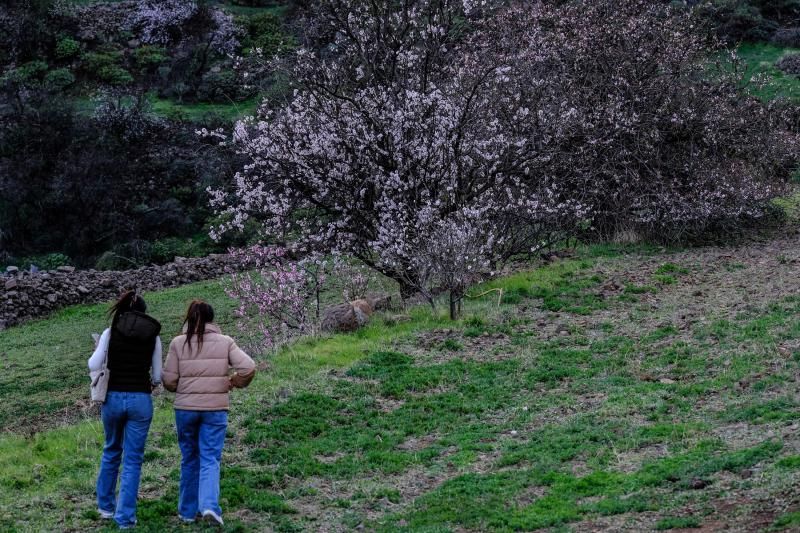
(26, 295)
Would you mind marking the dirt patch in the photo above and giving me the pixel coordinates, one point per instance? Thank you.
(632, 460)
(415, 444)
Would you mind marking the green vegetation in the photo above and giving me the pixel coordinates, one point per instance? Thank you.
(201, 110)
(534, 413)
(767, 81)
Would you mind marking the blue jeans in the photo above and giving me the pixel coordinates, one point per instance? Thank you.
(201, 435)
(126, 421)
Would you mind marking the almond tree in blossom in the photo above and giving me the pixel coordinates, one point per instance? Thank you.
(394, 131)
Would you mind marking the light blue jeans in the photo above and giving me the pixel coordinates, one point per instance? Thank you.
(201, 435)
(126, 421)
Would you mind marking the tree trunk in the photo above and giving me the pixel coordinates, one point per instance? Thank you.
(454, 299)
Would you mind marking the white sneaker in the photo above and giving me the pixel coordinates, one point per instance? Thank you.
(186, 520)
(210, 517)
(105, 515)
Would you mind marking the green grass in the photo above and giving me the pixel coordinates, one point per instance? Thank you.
(194, 112)
(760, 61)
(495, 422)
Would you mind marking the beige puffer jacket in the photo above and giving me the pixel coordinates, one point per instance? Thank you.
(202, 378)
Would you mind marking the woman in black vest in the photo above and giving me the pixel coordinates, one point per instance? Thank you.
(134, 363)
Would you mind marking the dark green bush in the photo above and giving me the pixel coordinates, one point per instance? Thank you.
(166, 250)
(59, 78)
(754, 20)
(106, 65)
(67, 48)
(223, 86)
(149, 57)
(42, 262)
(30, 72)
(114, 75)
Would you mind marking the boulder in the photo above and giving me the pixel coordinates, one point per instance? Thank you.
(12, 269)
(353, 315)
(11, 284)
(343, 318)
(66, 269)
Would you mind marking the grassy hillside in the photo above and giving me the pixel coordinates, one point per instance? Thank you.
(760, 61)
(609, 391)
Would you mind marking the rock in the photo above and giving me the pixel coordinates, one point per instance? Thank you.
(666, 381)
(697, 484)
(134, 43)
(52, 298)
(3, 325)
(11, 284)
(106, 282)
(343, 318)
(66, 269)
(11, 294)
(83, 290)
(12, 269)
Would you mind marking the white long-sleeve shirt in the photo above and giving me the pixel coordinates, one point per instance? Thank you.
(96, 360)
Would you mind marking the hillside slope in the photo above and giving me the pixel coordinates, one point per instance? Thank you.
(617, 390)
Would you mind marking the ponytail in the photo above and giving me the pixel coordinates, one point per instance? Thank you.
(197, 316)
(128, 301)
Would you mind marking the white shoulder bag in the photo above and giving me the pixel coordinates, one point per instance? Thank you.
(100, 379)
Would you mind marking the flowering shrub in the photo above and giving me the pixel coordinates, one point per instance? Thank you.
(278, 298)
(164, 22)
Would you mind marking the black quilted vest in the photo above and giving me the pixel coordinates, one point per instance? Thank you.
(130, 352)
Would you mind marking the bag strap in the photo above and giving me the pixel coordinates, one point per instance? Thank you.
(108, 344)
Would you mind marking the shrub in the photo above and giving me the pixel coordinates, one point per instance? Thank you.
(43, 262)
(59, 78)
(790, 64)
(114, 75)
(265, 32)
(30, 72)
(787, 37)
(67, 48)
(167, 249)
(149, 57)
(223, 86)
(738, 20)
(106, 66)
(94, 61)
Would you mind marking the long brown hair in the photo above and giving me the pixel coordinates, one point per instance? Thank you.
(197, 316)
(128, 301)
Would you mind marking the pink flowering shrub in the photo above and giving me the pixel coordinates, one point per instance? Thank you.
(278, 298)
(169, 21)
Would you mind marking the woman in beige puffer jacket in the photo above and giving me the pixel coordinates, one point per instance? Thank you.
(198, 369)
